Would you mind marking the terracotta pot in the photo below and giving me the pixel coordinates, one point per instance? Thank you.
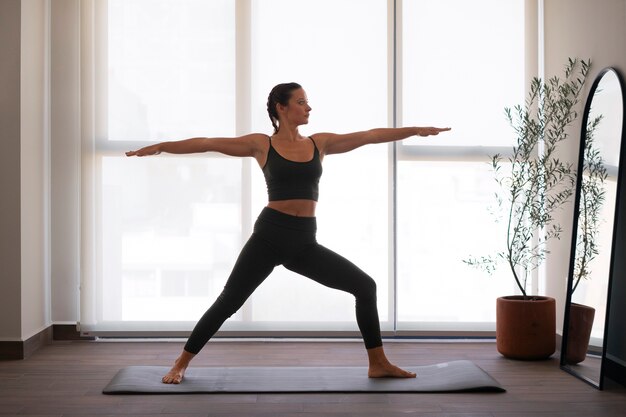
(578, 332)
(526, 328)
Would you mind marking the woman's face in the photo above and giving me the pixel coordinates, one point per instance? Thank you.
(297, 110)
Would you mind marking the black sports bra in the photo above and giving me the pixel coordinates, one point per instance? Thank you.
(289, 180)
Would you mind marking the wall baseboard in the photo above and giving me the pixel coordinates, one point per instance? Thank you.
(18, 350)
(11, 351)
(24, 349)
(68, 332)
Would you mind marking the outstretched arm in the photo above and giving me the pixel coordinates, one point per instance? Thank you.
(248, 145)
(330, 143)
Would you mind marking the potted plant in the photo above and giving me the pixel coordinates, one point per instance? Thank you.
(592, 196)
(533, 184)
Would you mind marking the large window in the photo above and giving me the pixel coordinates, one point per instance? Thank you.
(168, 228)
(171, 69)
(462, 64)
(307, 42)
(162, 233)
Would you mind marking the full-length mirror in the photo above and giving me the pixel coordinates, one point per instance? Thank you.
(590, 274)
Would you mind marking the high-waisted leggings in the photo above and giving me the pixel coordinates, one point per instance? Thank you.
(279, 238)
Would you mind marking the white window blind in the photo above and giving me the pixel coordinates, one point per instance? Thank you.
(462, 64)
(166, 230)
(161, 234)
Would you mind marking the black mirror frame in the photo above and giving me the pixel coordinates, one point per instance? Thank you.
(618, 203)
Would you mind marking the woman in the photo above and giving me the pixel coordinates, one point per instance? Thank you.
(284, 233)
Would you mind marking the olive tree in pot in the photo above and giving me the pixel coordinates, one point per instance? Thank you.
(592, 197)
(533, 184)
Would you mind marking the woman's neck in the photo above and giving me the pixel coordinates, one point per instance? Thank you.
(286, 133)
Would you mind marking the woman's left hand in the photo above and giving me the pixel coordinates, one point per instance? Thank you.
(431, 131)
(145, 151)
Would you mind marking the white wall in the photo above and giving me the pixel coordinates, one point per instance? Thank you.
(65, 160)
(34, 157)
(10, 248)
(24, 176)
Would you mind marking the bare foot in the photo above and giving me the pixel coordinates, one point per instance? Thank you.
(388, 371)
(176, 374)
(380, 367)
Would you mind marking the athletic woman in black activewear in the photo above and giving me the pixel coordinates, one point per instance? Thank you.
(284, 233)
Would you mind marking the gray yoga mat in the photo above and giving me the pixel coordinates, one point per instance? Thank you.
(443, 377)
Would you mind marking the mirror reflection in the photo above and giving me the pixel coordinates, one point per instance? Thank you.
(584, 328)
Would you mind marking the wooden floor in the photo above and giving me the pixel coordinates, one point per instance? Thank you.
(66, 379)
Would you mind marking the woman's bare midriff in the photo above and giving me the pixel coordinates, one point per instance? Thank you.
(299, 208)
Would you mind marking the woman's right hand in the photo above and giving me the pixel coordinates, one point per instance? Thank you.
(145, 151)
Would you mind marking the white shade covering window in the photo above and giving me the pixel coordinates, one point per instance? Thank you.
(161, 234)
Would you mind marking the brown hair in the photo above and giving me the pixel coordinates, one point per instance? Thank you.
(280, 94)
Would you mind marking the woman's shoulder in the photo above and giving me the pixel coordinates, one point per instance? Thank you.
(256, 139)
(321, 138)
(257, 136)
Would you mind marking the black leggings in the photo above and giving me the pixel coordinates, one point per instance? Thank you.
(280, 238)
